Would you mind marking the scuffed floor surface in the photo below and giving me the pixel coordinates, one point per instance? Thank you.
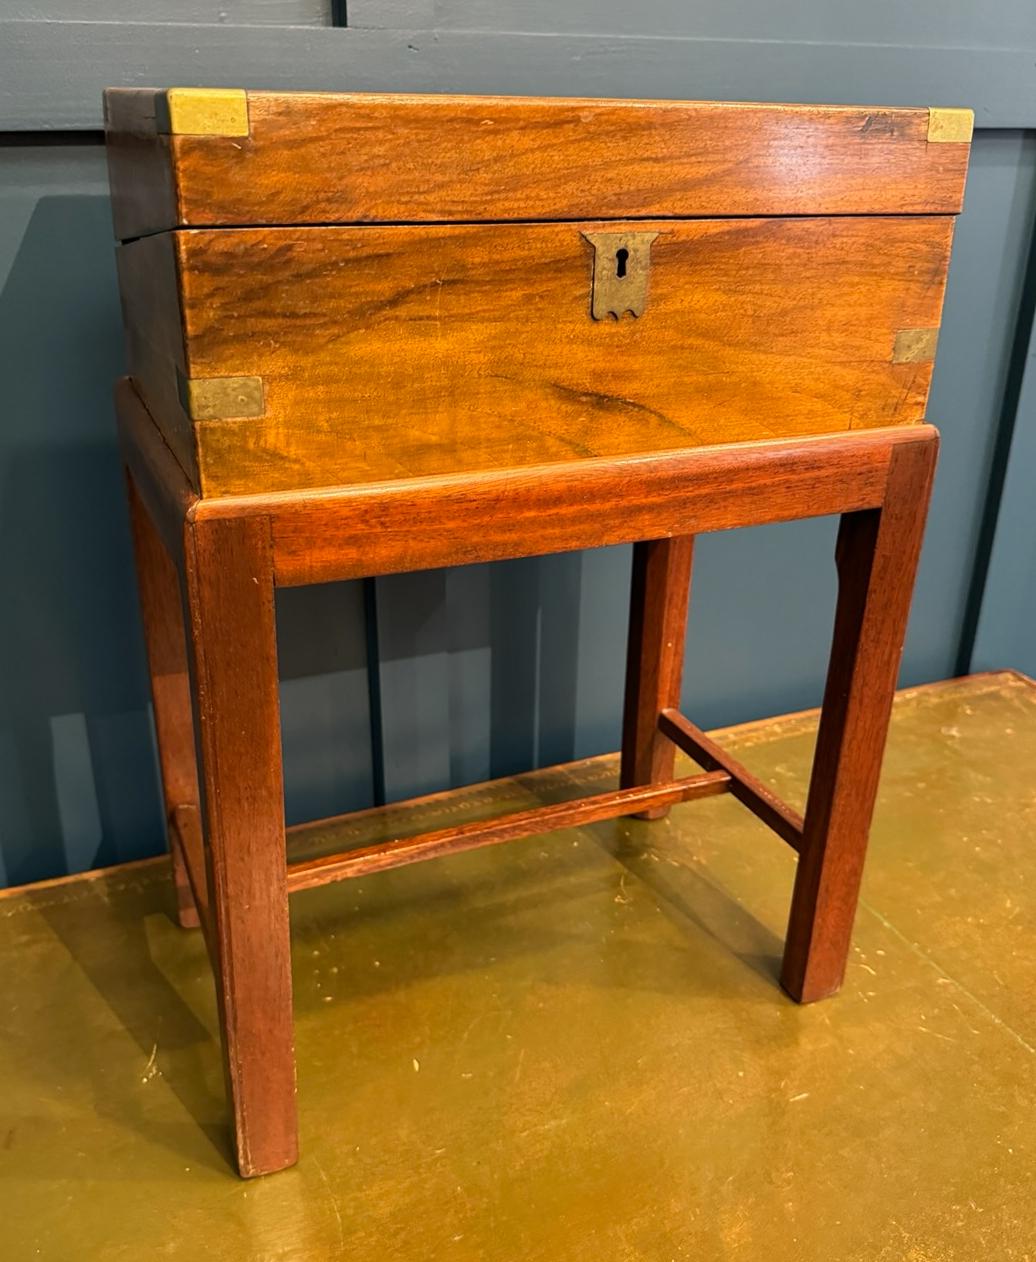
(570, 1047)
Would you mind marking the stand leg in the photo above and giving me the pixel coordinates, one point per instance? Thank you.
(162, 609)
(877, 556)
(233, 638)
(654, 662)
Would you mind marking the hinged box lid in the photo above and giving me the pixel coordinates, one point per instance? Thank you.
(205, 157)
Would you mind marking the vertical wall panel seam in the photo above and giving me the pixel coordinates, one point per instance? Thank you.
(1018, 357)
(376, 718)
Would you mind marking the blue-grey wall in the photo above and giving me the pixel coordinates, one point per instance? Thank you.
(482, 671)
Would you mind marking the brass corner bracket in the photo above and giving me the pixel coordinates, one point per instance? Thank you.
(915, 346)
(950, 126)
(202, 112)
(221, 398)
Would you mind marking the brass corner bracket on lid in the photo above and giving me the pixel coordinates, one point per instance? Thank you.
(622, 263)
(202, 112)
(950, 126)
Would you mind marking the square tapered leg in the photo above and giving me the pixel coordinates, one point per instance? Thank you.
(233, 644)
(877, 556)
(660, 591)
(161, 603)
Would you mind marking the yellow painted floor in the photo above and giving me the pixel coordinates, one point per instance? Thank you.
(569, 1047)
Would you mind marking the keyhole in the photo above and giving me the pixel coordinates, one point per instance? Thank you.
(621, 255)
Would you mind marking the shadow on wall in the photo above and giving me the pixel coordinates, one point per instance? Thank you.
(479, 670)
(535, 637)
(78, 784)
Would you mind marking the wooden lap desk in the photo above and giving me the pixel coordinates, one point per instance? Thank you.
(369, 335)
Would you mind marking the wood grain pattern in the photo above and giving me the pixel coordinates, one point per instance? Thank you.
(141, 176)
(159, 480)
(359, 158)
(149, 288)
(430, 522)
(659, 592)
(637, 800)
(355, 532)
(877, 557)
(405, 352)
(230, 593)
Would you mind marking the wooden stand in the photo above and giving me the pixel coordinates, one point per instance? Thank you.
(214, 672)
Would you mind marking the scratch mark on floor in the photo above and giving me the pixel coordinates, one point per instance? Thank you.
(334, 1202)
(922, 955)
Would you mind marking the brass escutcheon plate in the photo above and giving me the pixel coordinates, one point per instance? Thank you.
(622, 264)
